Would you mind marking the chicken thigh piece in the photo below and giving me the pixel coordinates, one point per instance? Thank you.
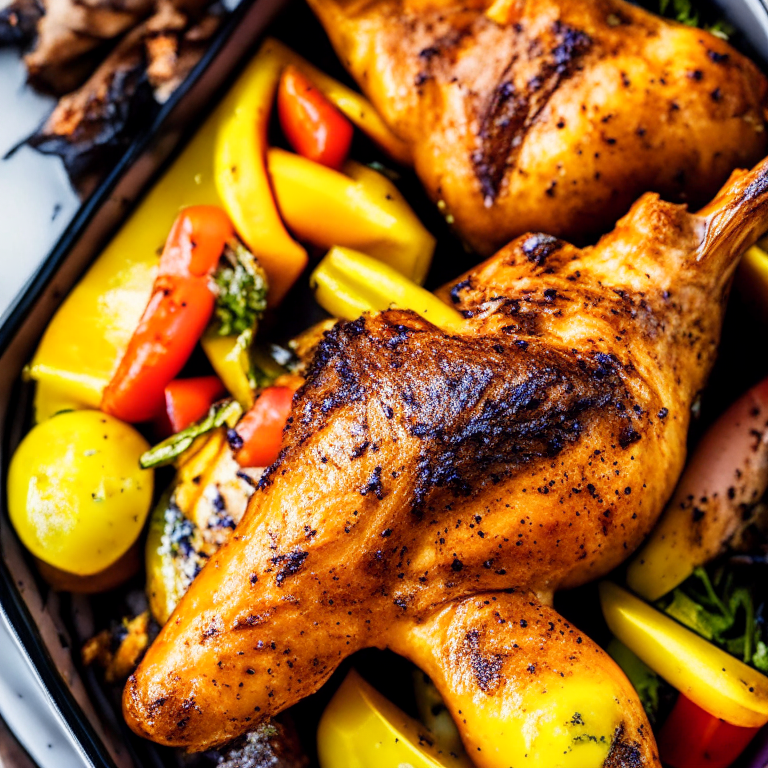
(434, 489)
(551, 115)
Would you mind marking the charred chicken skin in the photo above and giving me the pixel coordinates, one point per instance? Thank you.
(434, 490)
(551, 115)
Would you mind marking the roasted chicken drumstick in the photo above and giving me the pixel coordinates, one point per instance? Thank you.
(551, 115)
(434, 489)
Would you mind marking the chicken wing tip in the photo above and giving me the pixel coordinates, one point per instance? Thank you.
(735, 219)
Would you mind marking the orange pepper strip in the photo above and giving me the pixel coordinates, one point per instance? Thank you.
(312, 125)
(178, 312)
(261, 429)
(189, 400)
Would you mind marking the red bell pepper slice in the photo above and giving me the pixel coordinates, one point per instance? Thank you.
(261, 429)
(692, 738)
(188, 400)
(312, 125)
(178, 312)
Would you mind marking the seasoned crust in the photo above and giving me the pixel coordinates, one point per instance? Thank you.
(481, 408)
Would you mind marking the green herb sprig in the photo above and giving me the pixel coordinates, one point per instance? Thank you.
(688, 12)
(226, 412)
(721, 609)
(241, 287)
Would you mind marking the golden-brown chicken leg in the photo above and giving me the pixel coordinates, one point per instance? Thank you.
(527, 687)
(532, 451)
(554, 115)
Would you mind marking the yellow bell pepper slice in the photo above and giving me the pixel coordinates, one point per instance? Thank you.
(348, 283)
(49, 401)
(84, 343)
(360, 728)
(228, 356)
(714, 680)
(359, 208)
(241, 176)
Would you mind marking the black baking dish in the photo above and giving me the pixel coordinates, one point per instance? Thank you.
(43, 621)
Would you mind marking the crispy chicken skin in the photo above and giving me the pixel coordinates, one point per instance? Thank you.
(424, 473)
(554, 115)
